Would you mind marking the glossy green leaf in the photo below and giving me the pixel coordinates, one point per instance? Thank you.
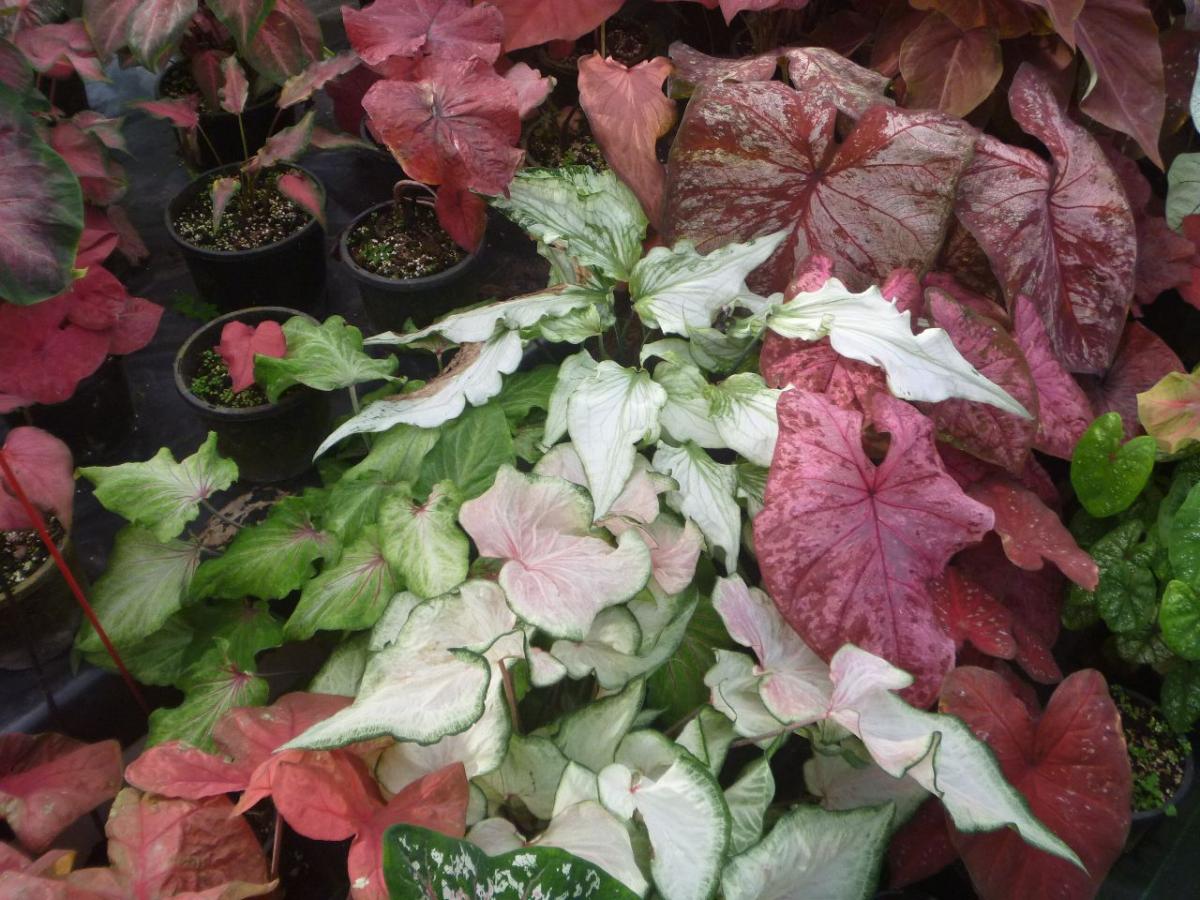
(1183, 188)
(1183, 540)
(1181, 696)
(1108, 476)
(470, 451)
(422, 541)
(678, 687)
(327, 357)
(351, 593)
(1179, 619)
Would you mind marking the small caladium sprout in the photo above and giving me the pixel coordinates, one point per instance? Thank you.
(222, 190)
(42, 464)
(240, 344)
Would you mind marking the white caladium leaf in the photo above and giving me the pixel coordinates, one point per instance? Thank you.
(686, 415)
(544, 669)
(677, 289)
(326, 356)
(579, 324)
(591, 215)
(707, 737)
(742, 408)
(160, 494)
(391, 624)
(556, 575)
(812, 852)
(733, 683)
(590, 735)
(422, 541)
(342, 673)
(868, 327)
(531, 771)
(683, 810)
(706, 495)
(748, 799)
(496, 836)
(578, 785)
(608, 414)
(474, 376)
(480, 323)
(591, 832)
(844, 785)
(571, 373)
(636, 504)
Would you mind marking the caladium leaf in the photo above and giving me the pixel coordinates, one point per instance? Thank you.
(326, 356)
(107, 22)
(43, 213)
(706, 495)
(301, 87)
(694, 69)
(182, 112)
(1181, 696)
(856, 578)
(1143, 358)
(678, 289)
(868, 327)
(1060, 233)
(422, 541)
(288, 40)
(532, 88)
(243, 18)
(222, 191)
(146, 583)
(628, 113)
(752, 159)
(556, 575)
(235, 88)
(240, 343)
(473, 377)
(589, 831)
(1064, 411)
(828, 77)
(1071, 765)
(59, 50)
(1183, 189)
(748, 799)
(950, 68)
(591, 735)
(832, 854)
(469, 452)
(970, 613)
(531, 771)
(592, 216)
(1183, 547)
(350, 593)
(1106, 474)
(1179, 619)
(416, 861)
(304, 192)
(285, 145)
(531, 22)
(42, 465)
(1170, 411)
(708, 736)
(154, 29)
(161, 494)
(47, 781)
(451, 29)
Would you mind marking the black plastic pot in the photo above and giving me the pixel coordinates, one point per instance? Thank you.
(271, 442)
(261, 119)
(41, 620)
(68, 94)
(389, 302)
(290, 271)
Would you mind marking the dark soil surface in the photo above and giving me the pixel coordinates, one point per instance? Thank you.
(403, 241)
(626, 42)
(213, 385)
(178, 82)
(1157, 754)
(562, 138)
(257, 216)
(22, 552)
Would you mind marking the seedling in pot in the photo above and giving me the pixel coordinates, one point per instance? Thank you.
(404, 240)
(226, 373)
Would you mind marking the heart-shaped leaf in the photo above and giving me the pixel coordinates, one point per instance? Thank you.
(1179, 619)
(1142, 360)
(326, 356)
(1170, 411)
(531, 22)
(352, 593)
(392, 31)
(154, 29)
(43, 468)
(1106, 474)
(240, 344)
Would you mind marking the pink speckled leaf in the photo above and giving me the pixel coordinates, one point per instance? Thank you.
(969, 613)
(694, 69)
(1071, 765)
(531, 22)
(752, 159)
(235, 89)
(414, 29)
(47, 781)
(948, 68)
(628, 113)
(1061, 233)
(977, 303)
(1143, 359)
(874, 534)
(979, 428)
(816, 367)
(824, 76)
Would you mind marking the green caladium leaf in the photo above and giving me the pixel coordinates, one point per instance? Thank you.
(248, 629)
(422, 541)
(1183, 539)
(145, 584)
(591, 215)
(707, 737)
(531, 772)
(354, 504)
(349, 594)
(1107, 476)
(1127, 596)
(590, 735)
(526, 391)
(678, 289)
(706, 495)
(160, 494)
(159, 658)
(812, 852)
(419, 864)
(1181, 696)
(268, 560)
(471, 449)
(748, 799)
(1145, 648)
(326, 357)
(396, 454)
(1179, 619)
(1183, 188)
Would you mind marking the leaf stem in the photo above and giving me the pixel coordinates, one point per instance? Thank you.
(213, 511)
(204, 134)
(242, 132)
(276, 845)
(510, 695)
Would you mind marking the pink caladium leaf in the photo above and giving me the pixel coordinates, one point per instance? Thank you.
(979, 428)
(462, 214)
(556, 575)
(182, 112)
(285, 145)
(1062, 234)
(206, 72)
(44, 357)
(130, 243)
(970, 613)
(532, 88)
(460, 123)
(531, 22)
(1064, 411)
(107, 22)
(240, 343)
(242, 18)
(101, 179)
(980, 304)
(963, 260)
(1127, 91)
(1143, 359)
(877, 533)
(43, 466)
(288, 41)
(47, 781)
(58, 51)
(950, 68)
(694, 69)
(300, 87)
(628, 113)
(99, 238)
(1031, 532)
(1071, 765)
(753, 159)
(825, 76)
(417, 29)
(301, 190)
(222, 192)
(235, 88)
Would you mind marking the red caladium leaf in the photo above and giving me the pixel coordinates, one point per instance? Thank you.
(980, 304)
(1009, 18)
(41, 359)
(460, 124)
(206, 72)
(628, 113)
(300, 87)
(235, 88)
(531, 22)
(101, 179)
(301, 190)
(240, 343)
(347, 94)
(1180, 49)
(99, 238)
(1142, 360)
(694, 69)
(47, 781)
(948, 68)
(243, 18)
(130, 243)
(752, 159)
(876, 534)
(462, 214)
(1128, 90)
(107, 22)
(416, 29)
(1073, 768)
(979, 428)
(963, 260)
(1032, 532)
(1064, 411)
(182, 112)
(825, 76)
(43, 466)
(288, 40)
(57, 51)
(1062, 234)
(921, 847)
(532, 88)
(969, 613)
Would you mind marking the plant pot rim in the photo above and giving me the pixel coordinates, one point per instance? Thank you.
(293, 398)
(399, 284)
(208, 252)
(267, 99)
(34, 580)
(1185, 783)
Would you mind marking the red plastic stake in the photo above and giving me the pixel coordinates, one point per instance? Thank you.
(36, 517)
